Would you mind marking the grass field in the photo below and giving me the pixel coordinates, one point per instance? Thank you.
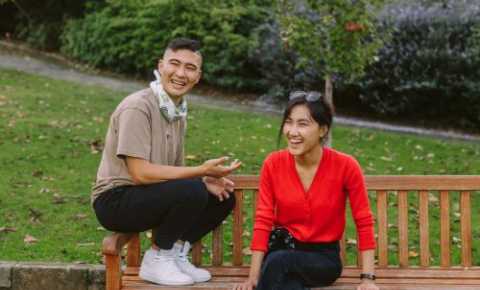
(51, 135)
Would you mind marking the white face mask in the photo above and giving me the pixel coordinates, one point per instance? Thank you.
(169, 110)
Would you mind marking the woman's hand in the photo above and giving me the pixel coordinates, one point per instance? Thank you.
(367, 285)
(250, 284)
(220, 187)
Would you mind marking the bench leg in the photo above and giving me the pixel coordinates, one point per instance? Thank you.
(133, 252)
(113, 272)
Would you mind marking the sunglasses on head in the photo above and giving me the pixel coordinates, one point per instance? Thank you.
(311, 96)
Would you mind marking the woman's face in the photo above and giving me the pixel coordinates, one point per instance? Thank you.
(302, 132)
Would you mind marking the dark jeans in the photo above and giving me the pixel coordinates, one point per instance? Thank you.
(298, 270)
(175, 210)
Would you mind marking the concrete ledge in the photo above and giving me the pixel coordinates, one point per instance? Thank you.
(50, 276)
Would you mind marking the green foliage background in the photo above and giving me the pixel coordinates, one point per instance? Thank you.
(130, 36)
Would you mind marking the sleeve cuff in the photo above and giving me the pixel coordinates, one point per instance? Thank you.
(260, 240)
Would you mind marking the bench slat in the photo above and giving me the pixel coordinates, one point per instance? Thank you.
(466, 228)
(343, 252)
(403, 228)
(382, 226)
(238, 228)
(445, 228)
(424, 228)
(197, 253)
(473, 273)
(217, 246)
(393, 182)
(133, 252)
(423, 182)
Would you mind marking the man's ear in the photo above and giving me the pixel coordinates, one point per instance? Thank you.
(160, 66)
(199, 76)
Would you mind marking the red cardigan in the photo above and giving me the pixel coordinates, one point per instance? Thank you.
(317, 215)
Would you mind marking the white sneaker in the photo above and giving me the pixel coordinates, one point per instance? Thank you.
(159, 267)
(197, 274)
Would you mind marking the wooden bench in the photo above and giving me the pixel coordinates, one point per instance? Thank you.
(398, 201)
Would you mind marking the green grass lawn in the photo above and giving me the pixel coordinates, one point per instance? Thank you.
(51, 133)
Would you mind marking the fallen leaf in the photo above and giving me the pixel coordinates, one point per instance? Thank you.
(29, 239)
(37, 173)
(80, 262)
(412, 254)
(80, 216)
(7, 230)
(44, 190)
(58, 199)
(351, 241)
(89, 244)
(34, 215)
(190, 157)
(96, 146)
(419, 147)
(432, 198)
(247, 252)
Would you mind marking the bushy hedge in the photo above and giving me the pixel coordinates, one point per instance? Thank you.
(39, 22)
(430, 68)
(130, 35)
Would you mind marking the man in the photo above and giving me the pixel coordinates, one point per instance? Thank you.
(142, 183)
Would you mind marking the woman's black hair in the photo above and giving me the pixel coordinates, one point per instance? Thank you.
(320, 110)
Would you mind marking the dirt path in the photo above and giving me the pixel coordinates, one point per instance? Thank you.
(23, 59)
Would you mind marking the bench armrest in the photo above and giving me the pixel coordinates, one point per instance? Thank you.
(113, 244)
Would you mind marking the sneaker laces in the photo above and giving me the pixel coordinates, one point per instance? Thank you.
(183, 256)
(165, 255)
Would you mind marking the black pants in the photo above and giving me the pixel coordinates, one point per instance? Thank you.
(176, 210)
(297, 270)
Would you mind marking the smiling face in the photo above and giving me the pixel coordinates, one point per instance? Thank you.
(302, 132)
(180, 71)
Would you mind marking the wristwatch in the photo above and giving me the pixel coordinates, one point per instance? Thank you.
(368, 276)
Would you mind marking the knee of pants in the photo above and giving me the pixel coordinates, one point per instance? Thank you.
(194, 192)
(230, 202)
(276, 262)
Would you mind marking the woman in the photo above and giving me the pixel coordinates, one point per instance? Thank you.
(302, 197)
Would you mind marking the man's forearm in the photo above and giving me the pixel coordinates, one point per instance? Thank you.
(147, 173)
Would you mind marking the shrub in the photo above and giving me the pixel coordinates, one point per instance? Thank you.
(279, 65)
(40, 23)
(430, 67)
(129, 36)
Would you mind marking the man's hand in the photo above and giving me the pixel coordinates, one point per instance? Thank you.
(220, 187)
(367, 285)
(250, 284)
(215, 167)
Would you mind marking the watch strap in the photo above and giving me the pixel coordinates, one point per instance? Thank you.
(368, 276)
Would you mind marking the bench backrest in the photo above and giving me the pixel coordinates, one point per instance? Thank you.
(397, 202)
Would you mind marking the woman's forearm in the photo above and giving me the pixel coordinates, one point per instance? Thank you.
(368, 261)
(255, 265)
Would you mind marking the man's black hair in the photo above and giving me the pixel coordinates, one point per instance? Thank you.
(184, 43)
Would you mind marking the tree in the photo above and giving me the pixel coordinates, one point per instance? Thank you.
(338, 37)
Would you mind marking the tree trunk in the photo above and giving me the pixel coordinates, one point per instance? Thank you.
(329, 99)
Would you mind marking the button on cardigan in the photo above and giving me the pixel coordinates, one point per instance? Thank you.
(318, 214)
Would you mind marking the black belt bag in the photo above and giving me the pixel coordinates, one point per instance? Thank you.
(282, 239)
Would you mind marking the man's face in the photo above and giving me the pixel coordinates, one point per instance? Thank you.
(180, 71)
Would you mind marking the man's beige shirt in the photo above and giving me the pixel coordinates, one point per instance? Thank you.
(137, 129)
